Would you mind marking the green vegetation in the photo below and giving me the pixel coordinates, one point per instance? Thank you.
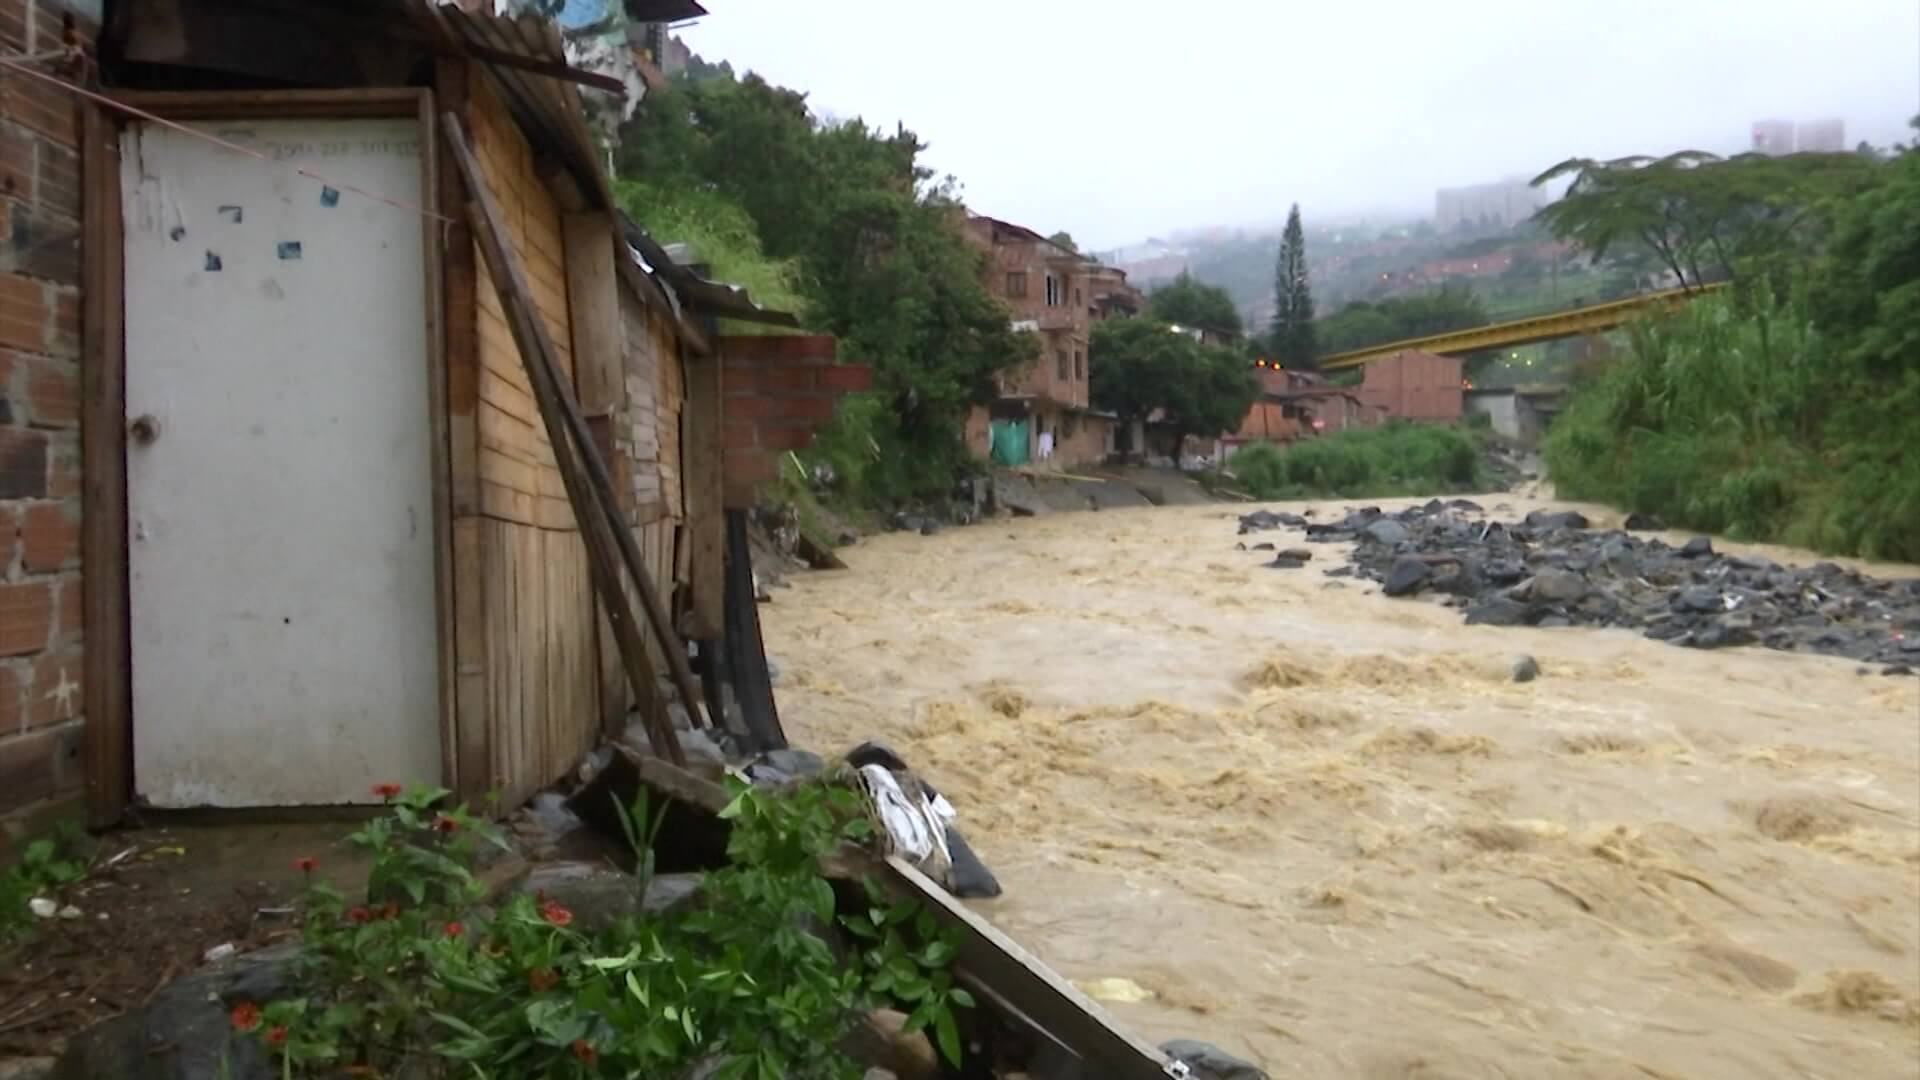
(1292, 333)
(1187, 301)
(421, 981)
(1394, 459)
(858, 234)
(1363, 323)
(46, 867)
(1139, 365)
(1784, 411)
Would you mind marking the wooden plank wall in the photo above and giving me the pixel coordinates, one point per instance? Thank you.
(537, 644)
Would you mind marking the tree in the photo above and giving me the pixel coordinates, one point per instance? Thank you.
(1187, 301)
(1142, 365)
(1292, 301)
(1704, 217)
(1065, 240)
(1360, 324)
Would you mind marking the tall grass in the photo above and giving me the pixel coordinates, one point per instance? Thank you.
(1396, 459)
(1734, 415)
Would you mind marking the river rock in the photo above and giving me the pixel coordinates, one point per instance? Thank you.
(1300, 553)
(1699, 547)
(1284, 563)
(1206, 1061)
(183, 1032)
(1497, 611)
(1557, 586)
(1549, 520)
(1385, 531)
(1406, 577)
(1525, 668)
(1638, 522)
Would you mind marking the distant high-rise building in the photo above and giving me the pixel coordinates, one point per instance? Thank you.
(1773, 137)
(1821, 137)
(1508, 202)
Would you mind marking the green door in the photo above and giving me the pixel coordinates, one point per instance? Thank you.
(1009, 439)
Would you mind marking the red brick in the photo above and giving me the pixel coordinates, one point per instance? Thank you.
(70, 612)
(737, 379)
(13, 698)
(39, 105)
(742, 436)
(23, 463)
(818, 410)
(749, 407)
(775, 435)
(50, 536)
(65, 340)
(845, 378)
(9, 538)
(24, 313)
(52, 393)
(57, 183)
(786, 378)
(13, 26)
(26, 617)
(27, 767)
(54, 695)
(16, 163)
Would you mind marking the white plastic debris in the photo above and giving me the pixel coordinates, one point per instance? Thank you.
(219, 952)
(42, 907)
(916, 826)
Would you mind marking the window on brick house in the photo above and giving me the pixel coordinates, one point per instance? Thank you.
(1054, 291)
(1076, 298)
(1060, 361)
(1017, 284)
(1079, 364)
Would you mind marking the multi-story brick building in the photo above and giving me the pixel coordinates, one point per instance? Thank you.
(1042, 411)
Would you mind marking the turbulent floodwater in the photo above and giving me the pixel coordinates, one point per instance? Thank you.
(1326, 831)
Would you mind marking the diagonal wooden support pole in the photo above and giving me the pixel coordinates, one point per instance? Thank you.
(589, 488)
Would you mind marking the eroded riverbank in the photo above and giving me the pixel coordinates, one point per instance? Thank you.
(1325, 829)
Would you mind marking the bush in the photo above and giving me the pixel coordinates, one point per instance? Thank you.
(429, 984)
(1397, 459)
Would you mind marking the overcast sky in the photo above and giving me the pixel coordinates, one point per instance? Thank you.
(1120, 119)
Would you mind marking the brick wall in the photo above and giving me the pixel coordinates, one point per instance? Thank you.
(776, 391)
(40, 584)
(1415, 385)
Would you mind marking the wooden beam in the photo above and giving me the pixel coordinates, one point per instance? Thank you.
(593, 306)
(701, 449)
(592, 509)
(106, 689)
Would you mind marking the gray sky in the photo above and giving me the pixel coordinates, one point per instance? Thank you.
(1119, 119)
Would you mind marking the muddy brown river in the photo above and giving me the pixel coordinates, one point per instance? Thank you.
(1325, 830)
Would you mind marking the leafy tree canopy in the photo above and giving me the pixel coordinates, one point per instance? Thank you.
(1703, 216)
(1188, 301)
(1360, 324)
(1065, 240)
(1142, 364)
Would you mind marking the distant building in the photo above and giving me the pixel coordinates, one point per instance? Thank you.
(1415, 385)
(1772, 137)
(1506, 203)
(1821, 137)
(1109, 296)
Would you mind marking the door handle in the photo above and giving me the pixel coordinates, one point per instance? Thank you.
(144, 429)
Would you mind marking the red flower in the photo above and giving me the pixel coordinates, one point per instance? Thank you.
(445, 823)
(543, 979)
(359, 915)
(245, 1016)
(386, 791)
(390, 910)
(305, 864)
(454, 929)
(584, 1050)
(555, 914)
(276, 1035)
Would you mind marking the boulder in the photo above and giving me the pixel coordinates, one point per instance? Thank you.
(1556, 586)
(1497, 611)
(1206, 1061)
(183, 1032)
(1284, 563)
(1300, 553)
(1525, 668)
(1407, 576)
(1637, 522)
(1549, 520)
(1385, 531)
(1699, 547)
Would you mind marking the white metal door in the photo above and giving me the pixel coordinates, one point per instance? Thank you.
(278, 465)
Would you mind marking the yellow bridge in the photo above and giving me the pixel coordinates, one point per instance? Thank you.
(1526, 331)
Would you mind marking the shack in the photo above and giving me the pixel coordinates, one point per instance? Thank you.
(323, 536)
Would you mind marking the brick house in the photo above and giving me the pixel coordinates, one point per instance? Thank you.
(1416, 385)
(312, 454)
(1042, 412)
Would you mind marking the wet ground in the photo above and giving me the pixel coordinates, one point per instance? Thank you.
(1326, 830)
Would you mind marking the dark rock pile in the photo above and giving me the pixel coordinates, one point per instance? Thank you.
(1551, 570)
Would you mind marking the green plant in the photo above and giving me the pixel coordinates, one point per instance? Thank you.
(1396, 459)
(47, 865)
(423, 978)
